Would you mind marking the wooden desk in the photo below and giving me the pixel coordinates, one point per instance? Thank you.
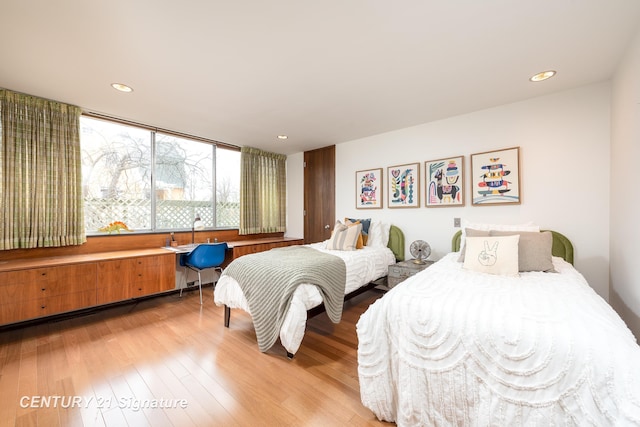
(244, 247)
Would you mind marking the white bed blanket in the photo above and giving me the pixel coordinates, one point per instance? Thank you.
(453, 347)
(363, 266)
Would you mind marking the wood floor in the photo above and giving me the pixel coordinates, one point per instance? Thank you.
(174, 358)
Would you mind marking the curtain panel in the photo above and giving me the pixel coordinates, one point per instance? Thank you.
(40, 173)
(263, 192)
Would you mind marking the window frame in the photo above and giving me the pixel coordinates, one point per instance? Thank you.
(153, 166)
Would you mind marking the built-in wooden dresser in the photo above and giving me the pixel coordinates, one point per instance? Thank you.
(38, 287)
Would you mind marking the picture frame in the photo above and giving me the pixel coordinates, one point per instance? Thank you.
(369, 189)
(403, 186)
(444, 182)
(495, 177)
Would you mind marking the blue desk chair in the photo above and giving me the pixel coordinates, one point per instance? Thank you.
(205, 255)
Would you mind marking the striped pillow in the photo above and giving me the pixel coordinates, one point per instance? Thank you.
(344, 238)
(349, 223)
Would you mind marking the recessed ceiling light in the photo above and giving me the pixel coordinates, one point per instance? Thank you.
(282, 137)
(543, 76)
(121, 87)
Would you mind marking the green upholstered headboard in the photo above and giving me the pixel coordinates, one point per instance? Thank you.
(561, 246)
(396, 242)
(456, 241)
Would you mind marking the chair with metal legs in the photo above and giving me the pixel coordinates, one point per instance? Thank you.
(204, 256)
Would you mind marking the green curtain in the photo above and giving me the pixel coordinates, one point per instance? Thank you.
(263, 192)
(40, 173)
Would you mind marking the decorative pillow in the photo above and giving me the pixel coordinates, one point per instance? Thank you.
(378, 234)
(471, 232)
(528, 226)
(534, 250)
(493, 255)
(366, 224)
(344, 238)
(349, 223)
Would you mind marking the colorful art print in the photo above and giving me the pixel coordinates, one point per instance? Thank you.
(495, 177)
(404, 186)
(445, 182)
(369, 189)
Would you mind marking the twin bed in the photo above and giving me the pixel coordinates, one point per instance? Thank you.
(456, 346)
(284, 315)
(502, 331)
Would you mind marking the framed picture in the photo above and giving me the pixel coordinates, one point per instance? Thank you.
(369, 189)
(404, 186)
(445, 182)
(495, 177)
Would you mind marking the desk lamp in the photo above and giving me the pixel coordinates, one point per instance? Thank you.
(197, 225)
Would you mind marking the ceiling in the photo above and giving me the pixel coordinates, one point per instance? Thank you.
(321, 72)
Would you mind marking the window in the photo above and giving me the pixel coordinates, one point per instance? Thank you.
(154, 180)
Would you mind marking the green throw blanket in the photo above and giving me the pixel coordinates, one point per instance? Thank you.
(268, 280)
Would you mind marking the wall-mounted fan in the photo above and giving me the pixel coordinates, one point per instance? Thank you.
(420, 250)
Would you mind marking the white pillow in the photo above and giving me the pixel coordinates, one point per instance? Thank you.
(379, 234)
(343, 237)
(493, 255)
(527, 226)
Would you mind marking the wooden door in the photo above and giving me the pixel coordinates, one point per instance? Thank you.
(319, 193)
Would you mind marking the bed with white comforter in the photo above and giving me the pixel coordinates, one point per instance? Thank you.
(362, 267)
(451, 346)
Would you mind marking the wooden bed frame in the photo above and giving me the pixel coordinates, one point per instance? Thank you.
(396, 244)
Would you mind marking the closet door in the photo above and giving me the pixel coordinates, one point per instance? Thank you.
(319, 193)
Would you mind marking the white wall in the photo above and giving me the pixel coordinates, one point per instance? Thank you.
(625, 175)
(564, 142)
(295, 196)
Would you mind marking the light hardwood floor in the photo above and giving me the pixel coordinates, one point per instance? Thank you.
(170, 351)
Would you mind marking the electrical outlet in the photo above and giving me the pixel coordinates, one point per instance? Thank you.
(456, 222)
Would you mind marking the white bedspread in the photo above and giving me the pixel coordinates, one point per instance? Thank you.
(363, 266)
(452, 347)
